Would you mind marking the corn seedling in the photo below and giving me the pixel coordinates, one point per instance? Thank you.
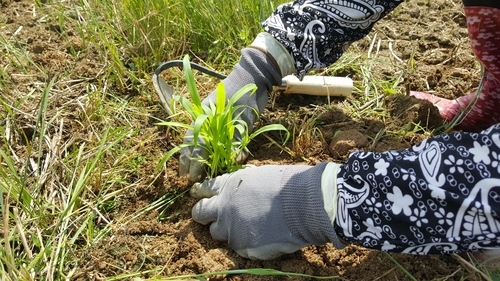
(76, 150)
(217, 127)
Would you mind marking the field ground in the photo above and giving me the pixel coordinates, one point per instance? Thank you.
(142, 223)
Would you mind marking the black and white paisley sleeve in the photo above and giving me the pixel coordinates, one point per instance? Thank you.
(438, 197)
(318, 32)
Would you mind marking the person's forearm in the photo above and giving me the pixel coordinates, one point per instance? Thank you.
(317, 33)
(440, 196)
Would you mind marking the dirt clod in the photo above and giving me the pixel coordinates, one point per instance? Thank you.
(430, 33)
(347, 141)
(410, 111)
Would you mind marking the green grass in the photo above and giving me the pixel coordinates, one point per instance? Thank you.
(139, 35)
(51, 200)
(58, 189)
(225, 135)
(73, 146)
(252, 271)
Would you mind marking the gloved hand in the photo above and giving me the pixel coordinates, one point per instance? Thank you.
(264, 212)
(264, 64)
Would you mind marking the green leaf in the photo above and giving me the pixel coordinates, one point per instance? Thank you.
(217, 124)
(188, 74)
(241, 92)
(220, 99)
(175, 124)
(198, 124)
(188, 107)
(165, 158)
(267, 128)
(253, 271)
(209, 110)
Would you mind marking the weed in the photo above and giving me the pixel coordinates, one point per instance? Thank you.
(251, 271)
(400, 267)
(304, 132)
(68, 161)
(217, 127)
(144, 33)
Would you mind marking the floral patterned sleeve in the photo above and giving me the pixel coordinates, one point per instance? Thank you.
(318, 32)
(440, 196)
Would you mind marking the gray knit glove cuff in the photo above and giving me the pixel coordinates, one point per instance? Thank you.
(302, 191)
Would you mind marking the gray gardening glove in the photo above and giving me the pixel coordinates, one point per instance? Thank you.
(264, 64)
(264, 212)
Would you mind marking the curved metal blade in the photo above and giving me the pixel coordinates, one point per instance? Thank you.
(165, 92)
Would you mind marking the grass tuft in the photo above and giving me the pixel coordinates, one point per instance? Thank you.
(74, 144)
(216, 129)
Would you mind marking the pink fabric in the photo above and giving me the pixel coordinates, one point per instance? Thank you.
(483, 24)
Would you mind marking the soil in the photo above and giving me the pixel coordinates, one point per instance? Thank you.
(432, 34)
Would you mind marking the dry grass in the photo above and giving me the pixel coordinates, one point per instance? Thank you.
(76, 123)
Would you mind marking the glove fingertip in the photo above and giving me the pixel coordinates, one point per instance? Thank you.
(197, 169)
(204, 212)
(196, 174)
(185, 161)
(200, 190)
